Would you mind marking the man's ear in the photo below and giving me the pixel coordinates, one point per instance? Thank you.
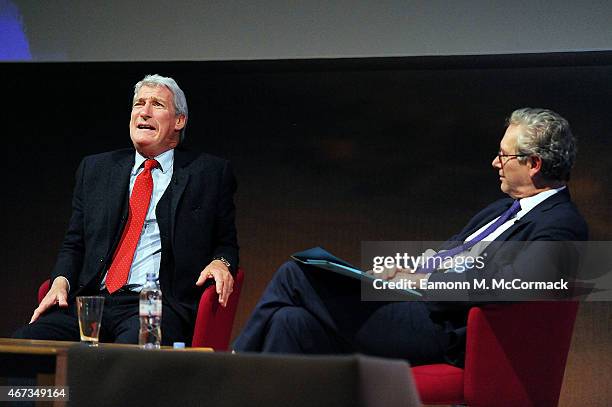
(180, 122)
(535, 165)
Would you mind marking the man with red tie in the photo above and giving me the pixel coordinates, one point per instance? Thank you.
(154, 208)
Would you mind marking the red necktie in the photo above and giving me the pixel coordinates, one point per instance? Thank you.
(139, 204)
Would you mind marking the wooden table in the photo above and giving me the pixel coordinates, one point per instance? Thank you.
(45, 363)
(34, 359)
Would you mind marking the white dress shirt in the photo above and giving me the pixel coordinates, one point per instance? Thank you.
(527, 204)
(147, 257)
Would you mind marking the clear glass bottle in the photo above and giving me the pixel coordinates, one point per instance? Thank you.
(150, 314)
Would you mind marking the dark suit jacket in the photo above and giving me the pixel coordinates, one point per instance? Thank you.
(195, 216)
(537, 247)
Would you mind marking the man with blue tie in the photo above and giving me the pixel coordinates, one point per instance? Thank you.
(154, 208)
(307, 310)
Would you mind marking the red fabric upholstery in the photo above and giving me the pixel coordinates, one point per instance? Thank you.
(213, 327)
(43, 290)
(443, 384)
(515, 356)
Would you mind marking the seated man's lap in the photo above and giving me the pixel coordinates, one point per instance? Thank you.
(120, 323)
(388, 329)
(60, 324)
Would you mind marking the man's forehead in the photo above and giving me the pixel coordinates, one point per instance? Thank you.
(154, 93)
(508, 142)
(150, 97)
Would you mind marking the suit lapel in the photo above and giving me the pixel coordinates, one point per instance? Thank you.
(117, 193)
(536, 213)
(514, 233)
(180, 179)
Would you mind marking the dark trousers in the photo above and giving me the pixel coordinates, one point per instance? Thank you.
(313, 311)
(120, 322)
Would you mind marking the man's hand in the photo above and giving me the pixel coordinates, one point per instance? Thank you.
(398, 274)
(388, 273)
(58, 294)
(223, 279)
(410, 276)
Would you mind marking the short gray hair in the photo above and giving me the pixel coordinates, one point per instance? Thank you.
(547, 135)
(180, 102)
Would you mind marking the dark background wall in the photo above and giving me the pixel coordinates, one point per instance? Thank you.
(326, 152)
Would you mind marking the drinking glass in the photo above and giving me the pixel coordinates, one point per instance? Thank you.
(90, 317)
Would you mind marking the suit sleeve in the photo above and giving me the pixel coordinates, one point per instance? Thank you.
(70, 258)
(552, 253)
(225, 240)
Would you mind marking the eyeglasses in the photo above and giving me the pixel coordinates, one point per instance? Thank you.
(508, 156)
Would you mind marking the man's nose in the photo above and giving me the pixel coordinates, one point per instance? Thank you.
(495, 163)
(145, 110)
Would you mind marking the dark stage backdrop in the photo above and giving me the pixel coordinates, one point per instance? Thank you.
(326, 152)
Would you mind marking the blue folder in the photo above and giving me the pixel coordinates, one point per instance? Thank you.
(321, 258)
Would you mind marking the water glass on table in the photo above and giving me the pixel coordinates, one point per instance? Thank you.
(90, 318)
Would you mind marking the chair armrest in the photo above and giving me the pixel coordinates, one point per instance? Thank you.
(516, 353)
(213, 327)
(43, 290)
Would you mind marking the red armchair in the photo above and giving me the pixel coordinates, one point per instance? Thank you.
(213, 326)
(515, 356)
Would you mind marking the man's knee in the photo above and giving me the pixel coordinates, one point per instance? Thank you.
(55, 325)
(36, 331)
(291, 276)
(289, 269)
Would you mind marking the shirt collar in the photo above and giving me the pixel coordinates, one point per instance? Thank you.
(165, 160)
(531, 202)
